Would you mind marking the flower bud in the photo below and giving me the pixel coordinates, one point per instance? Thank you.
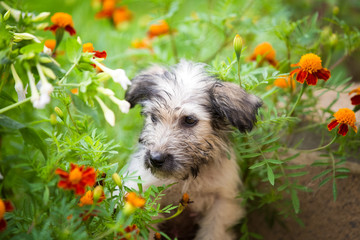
(53, 119)
(7, 15)
(128, 209)
(98, 191)
(42, 16)
(336, 10)
(45, 60)
(48, 72)
(238, 45)
(117, 179)
(59, 112)
(333, 40)
(25, 36)
(42, 26)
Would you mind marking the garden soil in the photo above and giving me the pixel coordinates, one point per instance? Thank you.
(323, 218)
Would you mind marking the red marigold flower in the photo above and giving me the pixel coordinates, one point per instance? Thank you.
(62, 20)
(88, 47)
(77, 179)
(266, 51)
(285, 82)
(355, 100)
(88, 198)
(158, 29)
(5, 206)
(345, 117)
(121, 14)
(310, 69)
(129, 231)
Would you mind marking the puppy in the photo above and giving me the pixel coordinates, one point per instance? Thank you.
(188, 117)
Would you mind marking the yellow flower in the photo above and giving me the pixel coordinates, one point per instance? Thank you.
(345, 117)
(310, 69)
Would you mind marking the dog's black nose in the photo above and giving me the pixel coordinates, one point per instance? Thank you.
(157, 159)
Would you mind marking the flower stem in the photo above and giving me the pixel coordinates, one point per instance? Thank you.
(173, 46)
(68, 72)
(298, 99)
(239, 68)
(71, 118)
(179, 211)
(14, 105)
(322, 147)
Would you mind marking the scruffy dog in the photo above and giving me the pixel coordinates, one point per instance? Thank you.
(188, 116)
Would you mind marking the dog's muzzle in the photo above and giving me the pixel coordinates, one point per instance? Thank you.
(158, 159)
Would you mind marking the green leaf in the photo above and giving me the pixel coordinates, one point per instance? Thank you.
(73, 50)
(297, 174)
(346, 170)
(294, 167)
(322, 174)
(323, 182)
(251, 155)
(32, 48)
(270, 175)
(7, 122)
(256, 165)
(274, 161)
(32, 138)
(341, 176)
(295, 201)
(46, 196)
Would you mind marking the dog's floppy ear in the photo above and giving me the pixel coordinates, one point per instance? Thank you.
(231, 102)
(144, 86)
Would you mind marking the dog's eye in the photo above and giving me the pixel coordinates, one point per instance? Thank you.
(189, 121)
(153, 118)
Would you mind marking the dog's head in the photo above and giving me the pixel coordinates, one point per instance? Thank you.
(188, 114)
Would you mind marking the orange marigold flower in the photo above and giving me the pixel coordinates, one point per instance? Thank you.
(62, 20)
(88, 198)
(144, 43)
(310, 69)
(74, 91)
(121, 14)
(157, 236)
(355, 100)
(107, 10)
(285, 82)
(88, 47)
(135, 200)
(158, 29)
(345, 117)
(77, 179)
(266, 51)
(50, 43)
(5, 206)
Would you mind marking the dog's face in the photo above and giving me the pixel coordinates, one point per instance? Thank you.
(187, 115)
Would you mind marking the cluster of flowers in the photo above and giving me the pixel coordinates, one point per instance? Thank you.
(309, 70)
(78, 178)
(120, 15)
(62, 22)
